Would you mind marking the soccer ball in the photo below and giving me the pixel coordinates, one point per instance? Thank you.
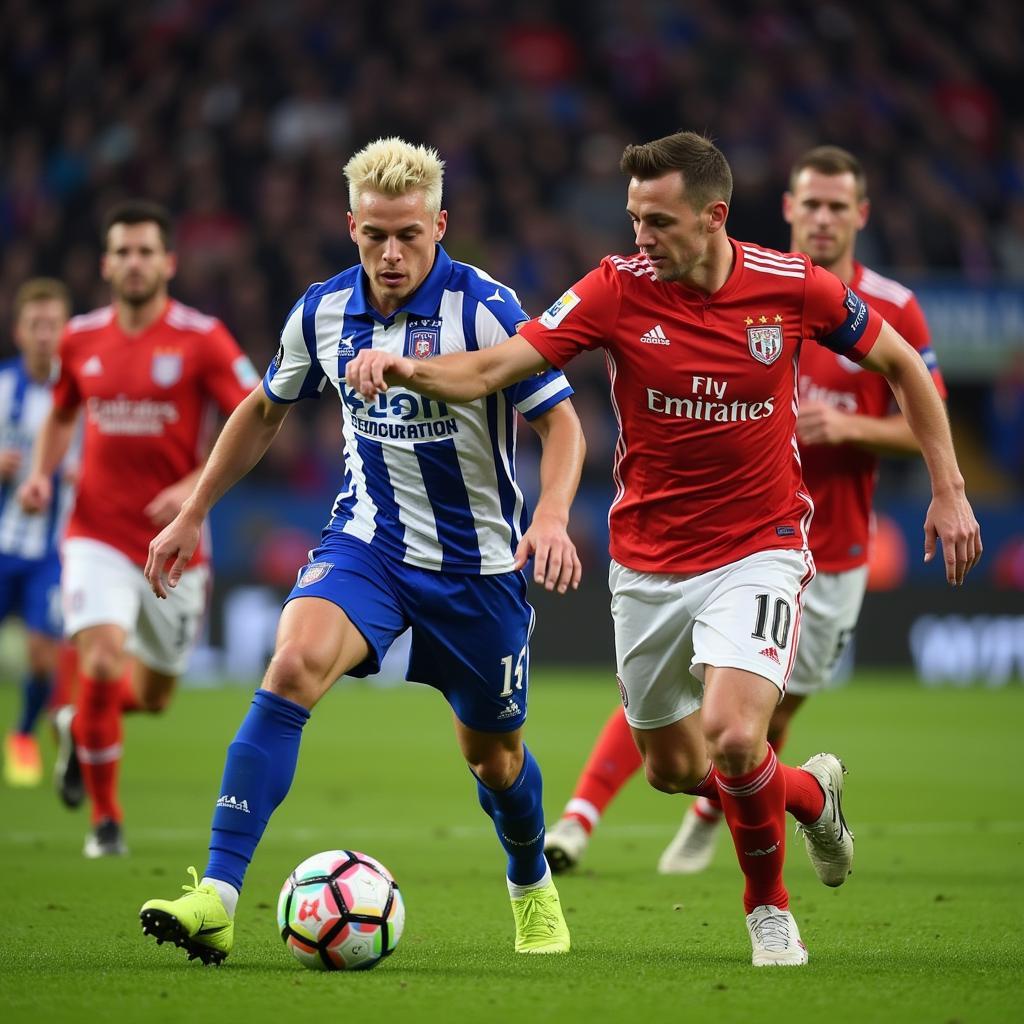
(340, 911)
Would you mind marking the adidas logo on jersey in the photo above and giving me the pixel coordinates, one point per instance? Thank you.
(92, 367)
(655, 336)
(771, 654)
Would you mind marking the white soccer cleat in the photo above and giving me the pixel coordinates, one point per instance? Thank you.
(564, 844)
(692, 847)
(775, 938)
(829, 840)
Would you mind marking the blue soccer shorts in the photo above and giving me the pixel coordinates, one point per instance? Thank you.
(30, 587)
(470, 633)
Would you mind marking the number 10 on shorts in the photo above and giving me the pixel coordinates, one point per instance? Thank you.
(781, 620)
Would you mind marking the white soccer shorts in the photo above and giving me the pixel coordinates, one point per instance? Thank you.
(102, 586)
(668, 627)
(832, 603)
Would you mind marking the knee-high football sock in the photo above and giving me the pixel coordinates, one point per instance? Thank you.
(258, 773)
(35, 692)
(613, 760)
(96, 729)
(65, 682)
(128, 698)
(518, 816)
(755, 811)
(804, 798)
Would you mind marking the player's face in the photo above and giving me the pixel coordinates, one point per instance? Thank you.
(825, 215)
(395, 236)
(37, 329)
(674, 236)
(136, 264)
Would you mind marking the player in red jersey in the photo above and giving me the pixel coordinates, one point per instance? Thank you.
(709, 523)
(847, 420)
(148, 373)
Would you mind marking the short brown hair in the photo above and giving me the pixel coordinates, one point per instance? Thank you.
(704, 169)
(831, 160)
(139, 211)
(40, 289)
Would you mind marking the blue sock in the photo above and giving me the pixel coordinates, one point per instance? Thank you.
(257, 775)
(35, 692)
(518, 817)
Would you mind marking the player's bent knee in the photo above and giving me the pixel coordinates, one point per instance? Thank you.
(296, 675)
(497, 772)
(670, 777)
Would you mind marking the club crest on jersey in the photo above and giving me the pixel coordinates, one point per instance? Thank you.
(314, 573)
(166, 368)
(423, 342)
(765, 343)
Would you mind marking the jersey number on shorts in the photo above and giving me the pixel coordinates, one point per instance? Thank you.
(506, 664)
(780, 622)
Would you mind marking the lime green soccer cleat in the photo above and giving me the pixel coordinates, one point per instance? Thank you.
(197, 922)
(540, 926)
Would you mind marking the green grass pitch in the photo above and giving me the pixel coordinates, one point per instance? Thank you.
(929, 928)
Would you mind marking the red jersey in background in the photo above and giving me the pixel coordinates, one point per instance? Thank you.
(841, 478)
(150, 400)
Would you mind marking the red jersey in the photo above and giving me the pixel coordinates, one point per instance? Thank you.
(704, 389)
(149, 401)
(841, 478)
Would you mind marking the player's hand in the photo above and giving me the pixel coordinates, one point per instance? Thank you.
(10, 463)
(950, 519)
(35, 494)
(820, 423)
(556, 566)
(371, 371)
(167, 504)
(175, 543)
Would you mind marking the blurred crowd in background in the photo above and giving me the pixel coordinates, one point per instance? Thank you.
(238, 116)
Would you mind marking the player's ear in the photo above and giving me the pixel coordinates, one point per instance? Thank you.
(351, 225)
(715, 214)
(863, 211)
(441, 226)
(170, 265)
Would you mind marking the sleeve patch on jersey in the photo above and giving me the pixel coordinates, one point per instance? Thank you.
(850, 331)
(560, 309)
(245, 372)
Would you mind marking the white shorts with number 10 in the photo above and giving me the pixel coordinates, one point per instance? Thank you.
(668, 627)
(102, 586)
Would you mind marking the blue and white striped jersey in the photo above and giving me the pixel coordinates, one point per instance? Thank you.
(426, 483)
(24, 405)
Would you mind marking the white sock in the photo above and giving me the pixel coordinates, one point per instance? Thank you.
(519, 891)
(228, 893)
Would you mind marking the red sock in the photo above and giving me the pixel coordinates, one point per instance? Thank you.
(613, 760)
(804, 798)
(97, 732)
(755, 810)
(126, 694)
(65, 679)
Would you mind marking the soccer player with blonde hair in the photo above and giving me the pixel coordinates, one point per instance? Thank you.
(428, 533)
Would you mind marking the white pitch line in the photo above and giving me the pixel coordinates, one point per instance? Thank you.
(352, 834)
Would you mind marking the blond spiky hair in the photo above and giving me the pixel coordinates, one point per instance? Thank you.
(393, 166)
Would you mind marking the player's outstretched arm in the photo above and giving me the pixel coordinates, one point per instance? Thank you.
(246, 436)
(51, 445)
(949, 517)
(556, 564)
(458, 377)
